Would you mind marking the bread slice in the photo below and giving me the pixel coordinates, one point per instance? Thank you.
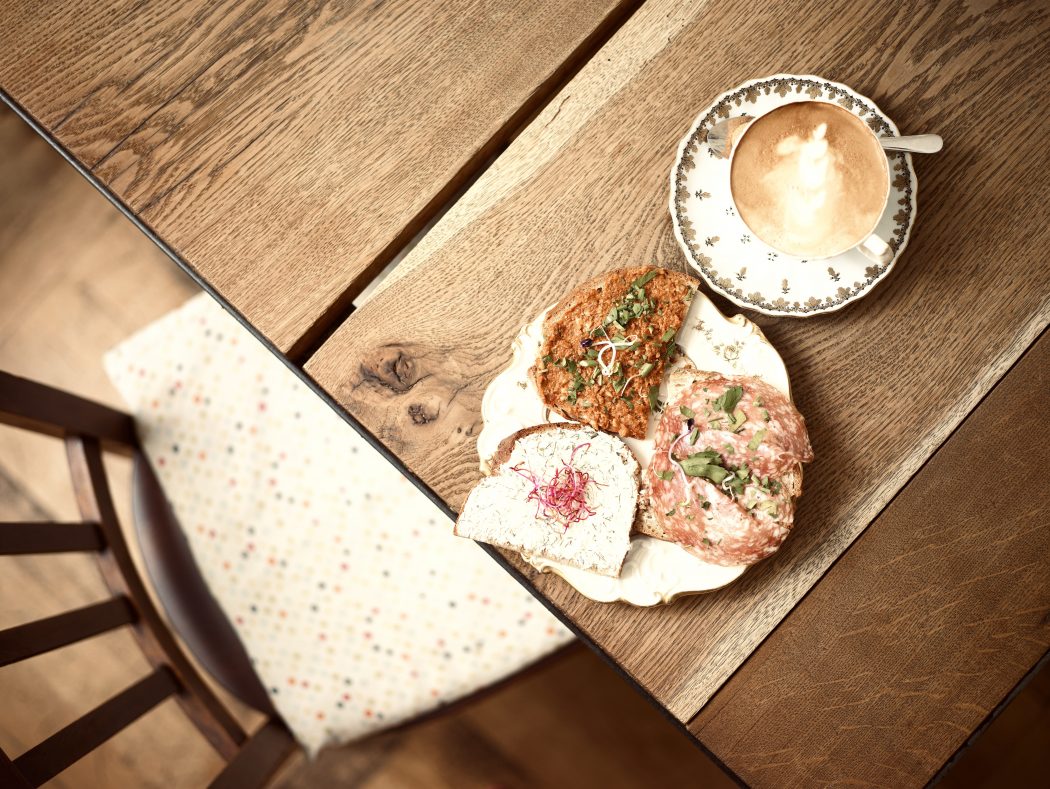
(500, 511)
(577, 381)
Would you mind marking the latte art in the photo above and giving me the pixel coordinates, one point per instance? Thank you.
(810, 179)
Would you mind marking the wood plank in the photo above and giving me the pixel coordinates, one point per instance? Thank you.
(922, 627)
(31, 537)
(286, 150)
(35, 638)
(70, 744)
(584, 189)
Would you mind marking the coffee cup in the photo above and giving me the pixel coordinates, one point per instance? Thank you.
(811, 180)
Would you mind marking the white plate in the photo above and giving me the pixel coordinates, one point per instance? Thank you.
(655, 571)
(720, 246)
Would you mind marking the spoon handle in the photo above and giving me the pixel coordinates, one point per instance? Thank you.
(915, 143)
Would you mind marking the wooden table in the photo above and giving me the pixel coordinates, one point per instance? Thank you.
(285, 152)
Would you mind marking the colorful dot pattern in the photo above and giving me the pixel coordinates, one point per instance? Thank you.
(357, 605)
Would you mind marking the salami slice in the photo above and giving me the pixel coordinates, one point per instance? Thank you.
(726, 469)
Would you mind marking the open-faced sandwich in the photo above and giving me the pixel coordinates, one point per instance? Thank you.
(606, 344)
(726, 469)
(565, 492)
(716, 472)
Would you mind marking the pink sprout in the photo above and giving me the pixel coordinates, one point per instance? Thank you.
(563, 497)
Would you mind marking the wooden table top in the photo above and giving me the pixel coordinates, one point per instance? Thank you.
(914, 593)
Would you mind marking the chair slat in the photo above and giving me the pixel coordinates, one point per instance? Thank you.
(35, 638)
(44, 409)
(10, 776)
(29, 537)
(91, 489)
(258, 760)
(63, 748)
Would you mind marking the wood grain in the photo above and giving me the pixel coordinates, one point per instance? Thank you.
(584, 189)
(287, 149)
(932, 617)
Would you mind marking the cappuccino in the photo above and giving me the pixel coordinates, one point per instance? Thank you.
(810, 179)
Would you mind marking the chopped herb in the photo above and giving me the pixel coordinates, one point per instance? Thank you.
(668, 335)
(707, 541)
(738, 421)
(768, 506)
(644, 280)
(728, 448)
(586, 363)
(706, 505)
(547, 359)
(686, 411)
(666, 476)
(696, 467)
(571, 397)
(765, 415)
(756, 440)
(645, 369)
(654, 398)
(729, 398)
(758, 401)
(694, 435)
(670, 511)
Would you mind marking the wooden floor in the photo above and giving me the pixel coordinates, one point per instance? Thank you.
(75, 278)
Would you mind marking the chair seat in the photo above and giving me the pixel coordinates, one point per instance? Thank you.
(357, 606)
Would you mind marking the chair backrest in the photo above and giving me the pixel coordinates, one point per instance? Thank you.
(88, 429)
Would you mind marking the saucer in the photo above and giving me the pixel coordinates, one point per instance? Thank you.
(725, 252)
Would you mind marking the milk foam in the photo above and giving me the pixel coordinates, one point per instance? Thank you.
(809, 179)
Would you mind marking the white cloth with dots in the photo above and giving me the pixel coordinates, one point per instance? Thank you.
(357, 605)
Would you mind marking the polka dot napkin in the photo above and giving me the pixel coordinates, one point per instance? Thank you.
(358, 606)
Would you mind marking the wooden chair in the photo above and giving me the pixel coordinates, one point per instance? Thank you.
(88, 430)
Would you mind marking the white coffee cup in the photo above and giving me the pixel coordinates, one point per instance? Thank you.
(868, 243)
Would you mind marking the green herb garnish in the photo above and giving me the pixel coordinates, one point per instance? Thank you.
(654, 398)
(687, 412)
(645, 279)
(756, 440)
(729, 398)
(668, 335)
(645, 369)
(666, 476)
(700, 466)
